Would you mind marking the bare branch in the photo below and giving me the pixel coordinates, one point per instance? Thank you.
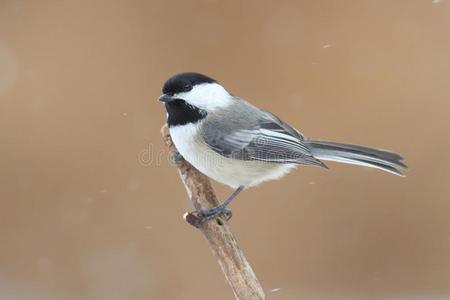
(222, 242)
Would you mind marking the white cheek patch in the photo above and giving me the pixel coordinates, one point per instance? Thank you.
(207, 96)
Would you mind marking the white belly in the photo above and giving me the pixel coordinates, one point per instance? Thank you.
(228, 171)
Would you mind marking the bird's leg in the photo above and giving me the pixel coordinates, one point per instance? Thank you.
(208, 214)
(176, 156)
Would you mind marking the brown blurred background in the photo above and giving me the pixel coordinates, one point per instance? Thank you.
(91, 209)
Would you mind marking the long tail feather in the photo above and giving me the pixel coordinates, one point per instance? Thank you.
(357, 155)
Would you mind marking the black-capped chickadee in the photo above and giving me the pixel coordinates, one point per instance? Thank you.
(240, 145)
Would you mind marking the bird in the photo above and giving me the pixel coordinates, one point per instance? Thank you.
(240, 145)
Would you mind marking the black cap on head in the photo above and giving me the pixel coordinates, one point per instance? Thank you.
(184, 82)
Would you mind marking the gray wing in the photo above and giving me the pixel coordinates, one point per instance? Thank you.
(263, 137)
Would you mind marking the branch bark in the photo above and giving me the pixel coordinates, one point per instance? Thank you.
(222, 241)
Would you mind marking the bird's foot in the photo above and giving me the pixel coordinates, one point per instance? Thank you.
(212, 213)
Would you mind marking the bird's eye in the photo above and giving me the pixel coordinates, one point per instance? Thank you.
(187, 87)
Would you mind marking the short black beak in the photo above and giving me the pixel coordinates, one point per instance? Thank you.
(166, 98)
